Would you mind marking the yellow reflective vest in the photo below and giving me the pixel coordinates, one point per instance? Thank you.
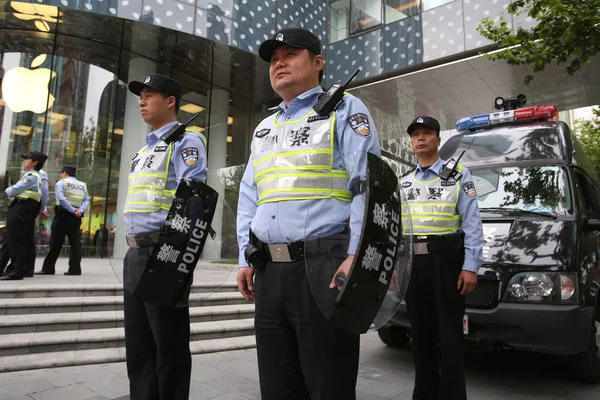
(31, 194)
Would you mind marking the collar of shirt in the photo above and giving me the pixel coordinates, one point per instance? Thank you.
(154, 136)
(435, 168)
(302, 101)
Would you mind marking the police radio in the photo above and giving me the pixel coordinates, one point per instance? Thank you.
(330, 100)
(449, 170)
(177, 130)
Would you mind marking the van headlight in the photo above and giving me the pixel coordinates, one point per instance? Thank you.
(542, 287)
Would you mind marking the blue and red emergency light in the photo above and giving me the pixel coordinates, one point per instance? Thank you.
(545, 112)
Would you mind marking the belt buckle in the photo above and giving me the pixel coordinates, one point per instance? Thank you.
(421, 249)
(131, 242)
(279, 253)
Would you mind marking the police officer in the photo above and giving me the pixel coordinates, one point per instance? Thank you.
(448, 240)
(157, 338)
(72, 200)
(22, 213)
(31, 251)
(300, 354)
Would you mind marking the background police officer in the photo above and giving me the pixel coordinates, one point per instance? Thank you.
(31, 250)
(448, 238)
(22, 213)
(72, 200)
(157, 338)
(300, 354)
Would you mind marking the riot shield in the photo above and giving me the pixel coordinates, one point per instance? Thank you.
(367, 288)
(197, 244)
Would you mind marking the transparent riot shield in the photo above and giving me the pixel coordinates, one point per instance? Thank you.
(367, 220)
(197, 249)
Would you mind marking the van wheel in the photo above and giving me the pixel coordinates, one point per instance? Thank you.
(393, 336)
(585, 366)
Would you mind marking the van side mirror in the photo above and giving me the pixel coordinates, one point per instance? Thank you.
(593, 224)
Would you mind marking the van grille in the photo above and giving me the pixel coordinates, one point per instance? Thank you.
(485, 295)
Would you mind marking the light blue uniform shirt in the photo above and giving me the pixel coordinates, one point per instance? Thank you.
(468, 209)
(286, 221)
(44, 195)
(28, 182)
(152, 222)
(62, 200)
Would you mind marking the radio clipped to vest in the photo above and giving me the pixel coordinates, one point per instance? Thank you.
(177, 130)
(329, 101)
(449, 170)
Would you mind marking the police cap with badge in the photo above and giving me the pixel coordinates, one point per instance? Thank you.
(427, 122)
(36, 156)
(295, 37)
(159, 82)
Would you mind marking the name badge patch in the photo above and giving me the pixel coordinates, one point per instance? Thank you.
(359, 123)
(189, 155)
(159, 149)
(262, 133)
(317, 118)
(448, 183)
(406, 184)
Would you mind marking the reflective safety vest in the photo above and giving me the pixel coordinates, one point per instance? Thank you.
(431, 206)
(293, 160)
(148, 175)
(74, 191)
(32, 194)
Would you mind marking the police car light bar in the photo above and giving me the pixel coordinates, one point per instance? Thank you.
(535, 113)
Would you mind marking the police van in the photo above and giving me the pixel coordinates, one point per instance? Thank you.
(539, 198)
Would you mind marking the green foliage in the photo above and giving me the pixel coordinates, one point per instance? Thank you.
(568, 31)
(589, 135)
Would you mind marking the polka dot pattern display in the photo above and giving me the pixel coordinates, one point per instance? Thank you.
(443, 31)
(475, 10)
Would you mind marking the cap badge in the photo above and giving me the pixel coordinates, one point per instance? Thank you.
(419, 120)
(147, 79)
(279, 37)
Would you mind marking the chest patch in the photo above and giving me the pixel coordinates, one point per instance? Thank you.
(317, 118)
(159, 149)
(262, 133)
(299, 137)
(406, 184)
(448, 183)
(189, 155)
(469, 189)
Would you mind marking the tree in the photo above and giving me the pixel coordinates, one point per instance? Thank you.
(589, 136)
(566, 31)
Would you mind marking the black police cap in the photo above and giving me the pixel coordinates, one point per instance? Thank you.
(72, 171)
(428, 122)
(36, 156)
(159, 82)
(295, 37)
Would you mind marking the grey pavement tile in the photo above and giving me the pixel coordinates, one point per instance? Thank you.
(242, 368)
(201, 391)
(73, 392)
(58, 380)
(381, 389)
(84, 373)
(211, 358)
(19, 376)
(25, 386)
(119, 368)
(111, 386)
(230, 396)
(239, 385)
(23, 397)
(204, 373)
(365, 396)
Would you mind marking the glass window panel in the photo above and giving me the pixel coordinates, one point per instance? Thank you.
(338, 20)
(396, 10)
(365, 14)
(429, 4)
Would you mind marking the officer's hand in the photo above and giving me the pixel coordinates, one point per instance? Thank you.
(245, 281)
(344, 268)
(45, 213)
(467, 280)
(77, 213)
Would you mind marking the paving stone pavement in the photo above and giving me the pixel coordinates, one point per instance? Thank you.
(385, 373)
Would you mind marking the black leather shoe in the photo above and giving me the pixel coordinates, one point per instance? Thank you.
(71, 273)
(43, 273)
(10, 278)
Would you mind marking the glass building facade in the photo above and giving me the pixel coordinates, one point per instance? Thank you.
(64, 92)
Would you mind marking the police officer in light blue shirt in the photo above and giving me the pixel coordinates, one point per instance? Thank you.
(20, 221)
(157, 338)
(300, 354)
(448, 241)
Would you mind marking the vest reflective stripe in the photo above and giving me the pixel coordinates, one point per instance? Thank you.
(431, 216)
(294, 161)
(31, 194)
(146, 191)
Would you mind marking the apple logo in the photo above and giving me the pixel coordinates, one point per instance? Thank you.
(25, 89)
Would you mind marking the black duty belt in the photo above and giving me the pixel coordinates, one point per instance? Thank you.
(284, 253)
(423, 245)
(142, 239)
(21, 200)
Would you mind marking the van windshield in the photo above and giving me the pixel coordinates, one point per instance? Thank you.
(536, 189)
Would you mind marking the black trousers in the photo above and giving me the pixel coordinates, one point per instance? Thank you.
(5, 267)
(157, 344)
(20, 222)
(300, 355)
(69, 225)
(436, 309)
